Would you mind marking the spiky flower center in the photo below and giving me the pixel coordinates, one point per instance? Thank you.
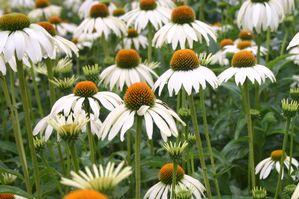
(6, 196)
(127, 58)
(55, 20)
(99, 10)
(119, 12)
(84, 194)
(42, 3)
(243, 59)
(277, 155)
(85, 89)
(182, 14)
(245, 35)
(139, 94)
(132, 33)
(166, 173)
(75, 40)
(244, 44)
(226, 42)
(147, 4)
(14, 22)
(184, 60)
(48, 27)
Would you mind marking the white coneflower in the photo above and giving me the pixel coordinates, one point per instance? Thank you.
(148, 12)
(63, 28)
(99, 178)
(294, 42)
(43, 10)
(220, 28)
(163, 190)
(87, 4)
(99, 23)
(82, 42)
(260, 15)
(134, 40)
(288, 6)
(73, 5)
(295, 195)
(245, 35)
(245, 45)
(183, 30)
(220, 56)
(295, 55)
(273, 162)
(21, 3)
(85, 194)
(127, 70)
(244, 67)
(186, 73)
(86, 92)
(140, 100)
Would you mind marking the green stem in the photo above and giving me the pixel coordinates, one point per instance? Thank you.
(284, 145)
(207, 136)
(62, 163)
(246, 101)
(268, 40)
(284, 42)
(17, 132)
(105, 46)
(36, 93)
(74, 157)
(199, 145)
(49, 64)
(129, 150)
(291, 146)
(201, 10)
(137, 157)
(150, 43)
(91, 143)
(26, 107)
(174, 174)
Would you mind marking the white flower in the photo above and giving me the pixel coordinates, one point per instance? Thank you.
(87, 4)
(288, 6)
(126, 71)
(147, 12)
(260, 15)
(12, 63)
(295, 195)
(21, 3)
(186, 72)
(100, 23)
(244, 67)
(86, 92)
(99, 178)
(219, 28)
(140, 100)
(82, 42)
(220, 57)
(294, 42)
(183, 30)
(163, 189)
(63, 28)
(267, 165)
(295, 56)
(73, 5)
(166, 3)
(134, 40)
(43, 10)
(244, 45)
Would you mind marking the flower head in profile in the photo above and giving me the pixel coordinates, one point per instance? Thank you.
(44, 8)
(99, 178)
(244, 67)
(7, 178)
(183, 30)
(21, 3)
(127, 70)
(140, 101)
(62, 27)
(134, 40)
(85, 194)
(265, 167)
(163, 188)
(259, 193)
(220, 56)
(289, 108)
(293, 48)
(186, 72)
(244, 45)
(288, 6)
(175, 150)
(85, 7)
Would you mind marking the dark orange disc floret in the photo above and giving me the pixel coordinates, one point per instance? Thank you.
(55, 20)
(85, 89)
(182, 14)
(139, 94)
(132, 33)
(185, 60)
(243, 58)
(226, 42)
(147, 4)
(48, 27)
(119, 12)
(6, 196)
(244, 44)
(75, 40)
(245, 35)
(127, 58)
(42, 3)
(99, 10)
(14, 21)
(85, 194)
(277, 155)
(166, 173)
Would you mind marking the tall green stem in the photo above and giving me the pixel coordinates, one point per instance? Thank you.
(207, 136)
(150, 42)
(199, 145)
(284, 42)
(291, 145)
(284, 145)
(201, 10)
(36, 93)
(137, 157)
(50, 72)
(246, 101)
(174, 174)
(105, 47)
(91, 139)
(26, 107)
(268, 40)
(74, 156)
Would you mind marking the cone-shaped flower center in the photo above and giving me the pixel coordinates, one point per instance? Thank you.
(245, 35)
(85, 194)
(166, 173)
(139, 94)
(99, 10)
(243, 58)
(55, 20)
(6, 196)
(148, 4)
(42, 3)
(132, 33)
(119, 12)
(14, 21)
(75, 40)
(184, 60)
(85, 89)
(217, 24)
(48, 27)
(127, 58)
(226, 42)
(277, 155)
(244, 44)
(182, 14)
